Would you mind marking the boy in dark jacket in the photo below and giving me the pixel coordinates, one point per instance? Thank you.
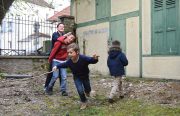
(79, 66)
(116, 62)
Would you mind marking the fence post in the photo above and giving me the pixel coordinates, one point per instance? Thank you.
(18, 33)
(0, 42)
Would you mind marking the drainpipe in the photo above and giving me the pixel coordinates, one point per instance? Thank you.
(76, 11)
(84, 46)
(140, 38)
(0, 42)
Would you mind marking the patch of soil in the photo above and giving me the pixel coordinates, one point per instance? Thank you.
(156, 92)
(25, 96)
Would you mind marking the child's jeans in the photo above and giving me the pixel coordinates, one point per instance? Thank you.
(117, 87)
(55, 75)
(83, 86)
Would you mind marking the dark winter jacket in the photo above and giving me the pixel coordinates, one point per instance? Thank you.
(116, 62)
(55, 36)
(80, 68)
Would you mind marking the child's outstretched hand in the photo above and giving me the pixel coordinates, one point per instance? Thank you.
(54, 68)
(95, 56)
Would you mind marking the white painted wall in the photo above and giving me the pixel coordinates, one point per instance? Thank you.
(146, 27)
(95, 38)
(84, 11)
(124, 6)
(161, 67)
(132, 46)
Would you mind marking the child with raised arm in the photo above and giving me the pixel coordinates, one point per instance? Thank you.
(79, 66)
(116, 63)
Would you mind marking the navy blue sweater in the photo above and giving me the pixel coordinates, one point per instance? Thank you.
(80, 68)
(55, 36)
(116, 62)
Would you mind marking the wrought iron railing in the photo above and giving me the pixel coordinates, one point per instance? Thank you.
(25, 36)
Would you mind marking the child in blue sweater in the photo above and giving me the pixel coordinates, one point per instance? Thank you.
(116, 63)
(79, 66)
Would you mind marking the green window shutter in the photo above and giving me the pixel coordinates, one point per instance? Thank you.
(158, 27)
(164, 25)
(102, 9)
(171, 27)
(118, 32)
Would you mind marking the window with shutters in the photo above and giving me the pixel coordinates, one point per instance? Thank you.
(102, 8)
(165, 37)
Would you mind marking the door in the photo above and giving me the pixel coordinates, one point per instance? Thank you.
(118, 32)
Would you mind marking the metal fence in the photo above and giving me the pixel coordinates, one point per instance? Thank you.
(25, 36)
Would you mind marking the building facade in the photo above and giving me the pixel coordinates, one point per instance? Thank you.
(147, 29)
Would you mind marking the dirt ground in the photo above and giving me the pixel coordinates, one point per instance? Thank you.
(26, 96)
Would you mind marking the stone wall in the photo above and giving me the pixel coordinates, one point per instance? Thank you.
(23, 65)
(68, 22)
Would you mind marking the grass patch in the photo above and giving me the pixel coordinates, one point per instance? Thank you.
(2, 76)
(45, 66)
(139, 108)
(125, 107)
(68, 70)
(138, 79)
(133, 79)
(99, 106)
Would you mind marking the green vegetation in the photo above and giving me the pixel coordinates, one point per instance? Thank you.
(45, 66)
(2, 76)
(68, 70)
(125, 107)
(98, 106)
(138, 80)
(134, 80)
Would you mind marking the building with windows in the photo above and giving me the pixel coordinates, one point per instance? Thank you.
(147, 29)
(25, 28)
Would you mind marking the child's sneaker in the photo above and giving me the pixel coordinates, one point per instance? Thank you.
(64, 93)
(48, 91)
(110, 100)
(87, 94)
(83, 106)
(44, 89)
(121, 96)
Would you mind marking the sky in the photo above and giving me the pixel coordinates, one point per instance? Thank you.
(59, 4)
